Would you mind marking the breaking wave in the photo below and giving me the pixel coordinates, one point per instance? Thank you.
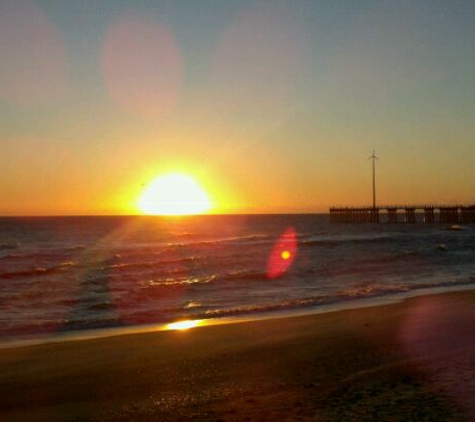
(9, 245)
(363, 291)
(36, 271)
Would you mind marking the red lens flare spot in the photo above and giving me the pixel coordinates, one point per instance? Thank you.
(283, 254)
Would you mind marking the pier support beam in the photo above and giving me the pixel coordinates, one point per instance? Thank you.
(467, 215)
(429, 215)
(410, 215)
(374, 215)
(392, 215)
(449, 215)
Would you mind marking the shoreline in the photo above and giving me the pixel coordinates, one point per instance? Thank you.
(340, 306)
(410, 360)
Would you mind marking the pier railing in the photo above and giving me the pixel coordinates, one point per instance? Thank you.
(410, 214)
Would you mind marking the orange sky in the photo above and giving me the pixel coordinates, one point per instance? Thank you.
(271, 106)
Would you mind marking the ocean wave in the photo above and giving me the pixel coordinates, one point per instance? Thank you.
(149, 264)
(206, 279)
(9, 245)
(179, 281)
(366, 289)
(334, 241)
(193, 305)
(231, 276)
(189, 235)
(101, 306)
(267, 307)
(12, 256)
(26, 273)
(362, 291)
(391, 258)
(32, 272)
(244, 275)
(76, 248)
(34, 255)
(87, 322)
(254, 238)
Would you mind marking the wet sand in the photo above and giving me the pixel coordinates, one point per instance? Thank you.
(413, 360)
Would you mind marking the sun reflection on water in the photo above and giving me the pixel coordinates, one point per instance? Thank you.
(184, 325)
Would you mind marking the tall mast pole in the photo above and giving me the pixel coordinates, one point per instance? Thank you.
(374, 158)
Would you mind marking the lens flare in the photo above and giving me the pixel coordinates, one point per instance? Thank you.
(283, 254)
(142, 65)
(34, 63)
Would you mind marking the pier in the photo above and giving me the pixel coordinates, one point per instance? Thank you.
(408, 214)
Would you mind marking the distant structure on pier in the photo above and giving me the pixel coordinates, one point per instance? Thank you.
(410, 214)
(374, 158)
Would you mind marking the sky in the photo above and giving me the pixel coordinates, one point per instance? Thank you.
(272, 106)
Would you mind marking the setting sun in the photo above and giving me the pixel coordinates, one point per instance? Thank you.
(174, 194)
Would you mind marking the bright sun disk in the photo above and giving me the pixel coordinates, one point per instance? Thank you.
(174, 194)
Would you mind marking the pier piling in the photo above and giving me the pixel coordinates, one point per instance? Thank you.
(392, 215)
(429, 215)
(410, 215)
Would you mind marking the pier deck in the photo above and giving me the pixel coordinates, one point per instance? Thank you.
(409, 214)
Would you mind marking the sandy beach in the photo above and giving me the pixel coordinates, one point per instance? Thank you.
(413, 360)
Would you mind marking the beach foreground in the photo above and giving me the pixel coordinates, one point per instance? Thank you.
(413, 360)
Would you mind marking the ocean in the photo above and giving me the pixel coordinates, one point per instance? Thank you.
(63, 274)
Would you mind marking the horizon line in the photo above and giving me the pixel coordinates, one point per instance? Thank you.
(158, 215)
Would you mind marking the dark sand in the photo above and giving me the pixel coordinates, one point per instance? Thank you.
(408, 361)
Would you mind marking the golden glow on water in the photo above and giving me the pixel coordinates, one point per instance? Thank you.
(174, 194)
(184, 325)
